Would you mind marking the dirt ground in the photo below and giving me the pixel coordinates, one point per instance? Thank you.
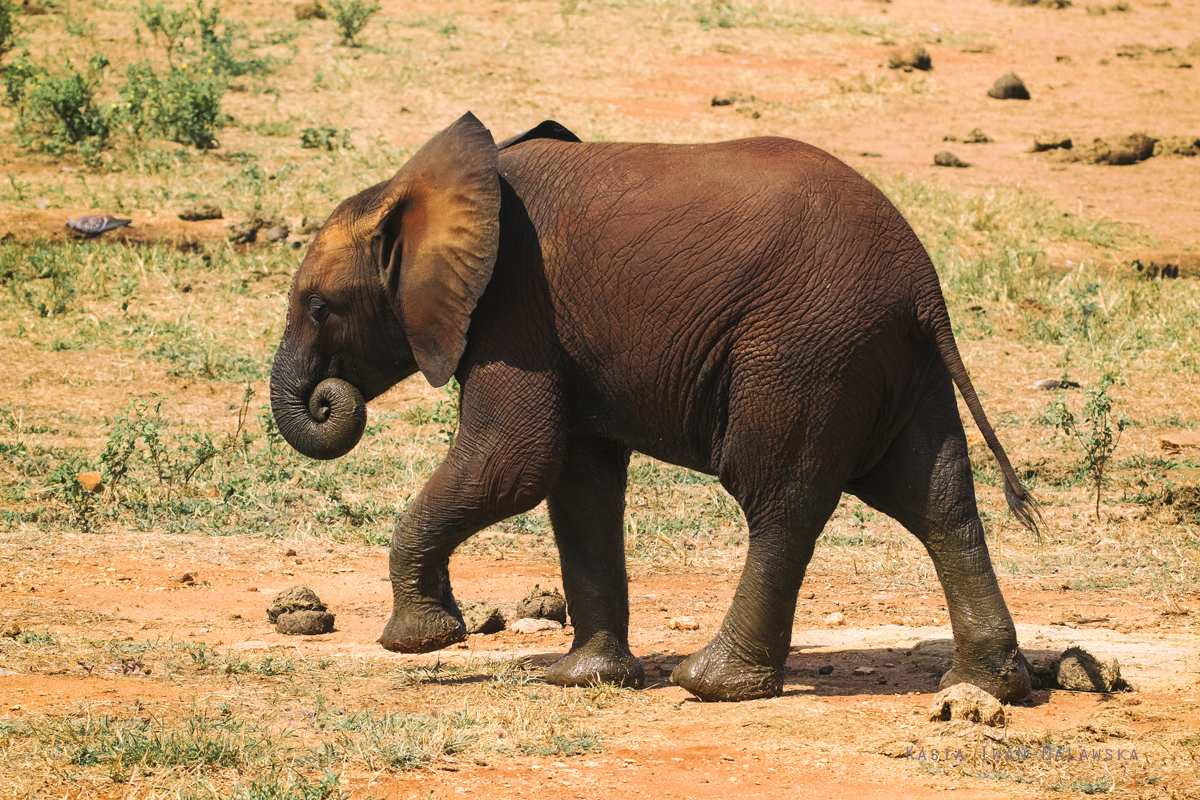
(645, 71)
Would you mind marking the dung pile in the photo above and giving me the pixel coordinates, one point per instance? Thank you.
(298, 611)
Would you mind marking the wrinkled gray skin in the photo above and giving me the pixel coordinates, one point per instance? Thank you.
(754, 310)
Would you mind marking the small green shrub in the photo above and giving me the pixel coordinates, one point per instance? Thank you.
(183, 106)
(326, 139)
(1097, 434)
(58, 109)
(8, 26)
(351, 16)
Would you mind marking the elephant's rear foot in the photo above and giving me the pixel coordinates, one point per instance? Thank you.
(422, 629)
(720, 673)
(601, 659)
(1006, 678)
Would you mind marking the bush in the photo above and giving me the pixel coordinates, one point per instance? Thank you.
(351, 16)
(182, 106)
(326, 139)
(8, 26)
(57, 112)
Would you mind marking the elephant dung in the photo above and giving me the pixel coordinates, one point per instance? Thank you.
(683, 624)
(294, 598)
(948, 159)
(1050, 140)
(910, 57)
(968, 702)
(1182, 146)
(482, 617)
(1119, 152)
(11, 630)
(309, 10)
(1080, 671)
(543, 604)
(1009, 87)
(199, 212)
(304, 623)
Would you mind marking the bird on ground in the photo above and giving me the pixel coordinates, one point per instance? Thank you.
(90, 225)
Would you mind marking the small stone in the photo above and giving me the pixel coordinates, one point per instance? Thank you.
(968, 702)
(276, 233)
(543, 604)
(836, 618)
(1080, 671)
(825, 670)
(289, 553)
(185, 578)
(531, 625)
(977, 136)
(910, 57)
(1009, 87)
(808, 595)
(948, 159)
(864, 671)
(683, 624)
(482, 617)
(304, 623)
(199, 212)
(294, 598)
(91, 481)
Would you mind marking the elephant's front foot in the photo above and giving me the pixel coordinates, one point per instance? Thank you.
(720, 673)
(601, 659)
(422, 629)
(1005, 678)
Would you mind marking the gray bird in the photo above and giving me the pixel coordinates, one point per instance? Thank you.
(95, 224)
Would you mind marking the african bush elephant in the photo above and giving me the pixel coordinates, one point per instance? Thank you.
(753, 310)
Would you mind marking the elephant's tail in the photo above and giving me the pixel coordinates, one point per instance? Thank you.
(1022, 504)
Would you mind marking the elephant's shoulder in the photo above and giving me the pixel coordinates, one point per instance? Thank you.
(545, 130)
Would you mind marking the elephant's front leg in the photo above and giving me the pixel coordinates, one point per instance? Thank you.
(503, 463)
(587, 509)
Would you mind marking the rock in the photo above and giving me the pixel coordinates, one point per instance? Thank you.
(977, 136)
(276, 233)
(836, 618)
(199, 212)
(1180, 146)
(910, 57)
(543, 604)
(11, 630)
(530, 625)
(309, 10)
(482, 617)
(289, 553)
(825, 670)
(948, 159)
(1050, 384)
(304, 623)
(683, 624)
(185, 578)
(1009, 87)
(968, 702)
(1080, 671)
(1050, 141)
(92, 481)
(294, 598)
(864, 671)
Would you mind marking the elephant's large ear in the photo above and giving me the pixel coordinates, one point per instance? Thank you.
(437, 241)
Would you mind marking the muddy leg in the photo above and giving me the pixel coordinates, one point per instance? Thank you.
(745, 660)
(924, 481)
(587, 509)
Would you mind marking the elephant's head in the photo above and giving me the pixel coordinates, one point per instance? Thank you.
(387, 288)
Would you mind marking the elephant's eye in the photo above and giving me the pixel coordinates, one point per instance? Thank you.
(318, 309)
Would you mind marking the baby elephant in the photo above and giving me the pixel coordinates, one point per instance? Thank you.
(753, 310)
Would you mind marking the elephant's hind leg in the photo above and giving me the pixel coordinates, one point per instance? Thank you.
(587, 510)
(745, 660)
(924, 481)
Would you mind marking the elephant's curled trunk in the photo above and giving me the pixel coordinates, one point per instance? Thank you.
(328, 425)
